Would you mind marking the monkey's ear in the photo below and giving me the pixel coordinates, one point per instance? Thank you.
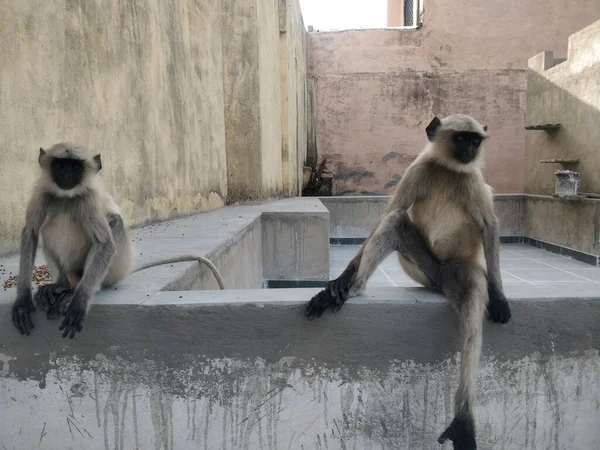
(485, 128)
(41, 155)
(432, 128)
(98, 162)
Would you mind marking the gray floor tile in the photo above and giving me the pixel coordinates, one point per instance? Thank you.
(590, 273)
(535, 253)
(517, 264)
(508, 277)
(568, 263)
(377, 284)
(552, 290)
(527, 272)
(544, 275)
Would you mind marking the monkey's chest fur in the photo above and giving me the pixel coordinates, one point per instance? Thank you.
(66, 239)
(450, 215)
(450, 233)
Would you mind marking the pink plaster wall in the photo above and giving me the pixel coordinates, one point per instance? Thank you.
(378, 89)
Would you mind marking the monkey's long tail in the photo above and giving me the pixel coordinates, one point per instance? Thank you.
(200, 259)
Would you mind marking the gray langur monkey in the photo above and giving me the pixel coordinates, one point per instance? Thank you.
(441, 222)
(86, 242)
(85, 239)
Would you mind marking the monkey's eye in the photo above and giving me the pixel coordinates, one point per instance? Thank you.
(477, 142)
(460, 137)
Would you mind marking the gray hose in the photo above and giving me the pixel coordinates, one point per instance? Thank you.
(177, 259)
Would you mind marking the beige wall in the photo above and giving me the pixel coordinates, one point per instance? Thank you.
(567, 93)
(294, 114)
(270, 96)
(182, 99)
(378, 89)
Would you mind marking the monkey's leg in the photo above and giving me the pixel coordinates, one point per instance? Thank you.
(49, 296)
(395, 231)
(465, 284)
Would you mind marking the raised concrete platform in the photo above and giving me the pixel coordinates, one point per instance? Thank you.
(243, 369)
(281, 240)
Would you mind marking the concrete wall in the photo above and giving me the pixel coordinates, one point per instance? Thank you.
(378, 89)
(567, 93)
(239, 262)
(140, 83)
(294, 93)
(183, 100)
(251, 374)
(355, 216)
(270, 96)
(571, 224)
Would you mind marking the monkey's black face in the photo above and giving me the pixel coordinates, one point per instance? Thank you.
(465, 146)
(67, 173)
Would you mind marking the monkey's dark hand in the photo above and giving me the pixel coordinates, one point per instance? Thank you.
(318, 304)
(335, 294)
(498, 308)
(21, 313)
(51, 297)
(461, 432)
(75, 310)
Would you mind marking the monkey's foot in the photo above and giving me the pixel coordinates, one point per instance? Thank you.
(498, 308)
(461, 432)
(50, 298)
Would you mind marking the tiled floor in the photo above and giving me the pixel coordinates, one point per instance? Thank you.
(522, 267)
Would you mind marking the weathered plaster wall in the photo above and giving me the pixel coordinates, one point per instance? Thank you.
(371, 126)
(567, 93)
(242, 99)
(378, 89)
(140, 83)
(183, 100)
(270, 95)
(294, 114)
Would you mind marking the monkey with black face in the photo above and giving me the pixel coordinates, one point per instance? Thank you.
(442, 223)
(85, 240)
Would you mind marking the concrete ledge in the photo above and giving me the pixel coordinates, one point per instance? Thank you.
(211, 372)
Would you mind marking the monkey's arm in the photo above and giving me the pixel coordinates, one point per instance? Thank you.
(498, 307)
(49, 296)
(23, 305)
(102, 250)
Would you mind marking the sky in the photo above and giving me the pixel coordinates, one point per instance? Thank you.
(344, 14)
